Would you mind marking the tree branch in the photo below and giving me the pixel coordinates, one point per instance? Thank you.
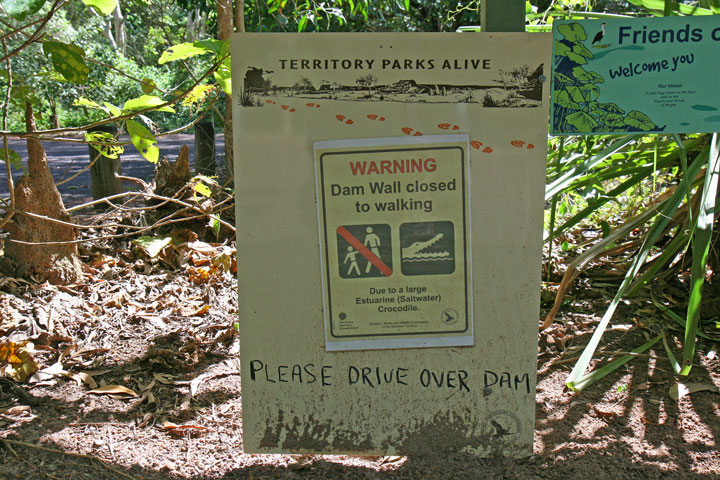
(54, 131)
(56, 6)
(6, 148)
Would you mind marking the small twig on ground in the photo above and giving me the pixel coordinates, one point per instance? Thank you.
(61, 452)
(9, 447)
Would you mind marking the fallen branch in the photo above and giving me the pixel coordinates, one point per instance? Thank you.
(161, 223)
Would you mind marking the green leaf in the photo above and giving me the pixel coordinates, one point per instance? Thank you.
(84, 102)
(657, 7)
(68, 60)
(302, 23)
(202, 189)
(152, 245)
(572, 31)
(563, 78)
(700, 249)
(223, 76)
(614, 120)
(561, 49)
(673, 362)
(13, 157)
(563, 99)
(590, 91)
(576, 95)
(105, 143)
(583, 382)
(584, 76)
(612, 108)
(605, 226)
(148, 85)
(114, 111)
(214, 223)
(714, 5)
(182, 51)
(219, 47)
(579, 59)
(104, 7)
(19, 9)
(582, 121)
(639, 120)
(143, 140)
(143, 102)
(578, 379)
(197, 95)
(582, 50)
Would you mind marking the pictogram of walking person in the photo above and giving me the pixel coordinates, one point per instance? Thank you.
(350, 257)
(372, 241)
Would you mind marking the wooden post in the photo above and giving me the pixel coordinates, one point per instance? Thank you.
(104, 172)
(204, 148)
(503, 16)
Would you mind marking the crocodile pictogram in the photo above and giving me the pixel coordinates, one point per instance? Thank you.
(415, 251)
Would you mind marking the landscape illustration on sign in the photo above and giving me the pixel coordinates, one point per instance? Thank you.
(519, 87)
(576, 91)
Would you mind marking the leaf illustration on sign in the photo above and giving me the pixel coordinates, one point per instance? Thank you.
(576, 91)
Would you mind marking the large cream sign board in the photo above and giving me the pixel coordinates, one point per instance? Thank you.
(370, 163)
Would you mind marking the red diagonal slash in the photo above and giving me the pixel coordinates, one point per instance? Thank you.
(364, 251)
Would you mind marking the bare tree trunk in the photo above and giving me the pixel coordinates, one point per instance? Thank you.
(225, 29)
(193, 17)
(107, 29)
(203, 25)
(239, 16)
(36, 193)
(119, 27)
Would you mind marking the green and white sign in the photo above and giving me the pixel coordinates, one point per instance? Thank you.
(636, 75)
(394, 231)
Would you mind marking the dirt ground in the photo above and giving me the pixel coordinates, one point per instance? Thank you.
(155, 342)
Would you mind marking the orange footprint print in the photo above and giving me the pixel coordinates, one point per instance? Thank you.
(288, 108)
(417, 134)
(343, 118)
(311, 105)
(517, 143)
(407, 130)
(476, 145)
(447, 126)
(488, 150)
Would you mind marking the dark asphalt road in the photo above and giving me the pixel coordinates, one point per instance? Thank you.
(66, 159)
